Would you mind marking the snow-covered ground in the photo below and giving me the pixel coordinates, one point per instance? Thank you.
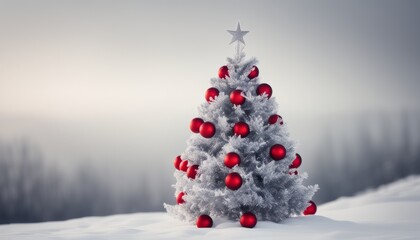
(390, 212)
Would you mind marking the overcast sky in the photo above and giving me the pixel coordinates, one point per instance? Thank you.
(82, 58)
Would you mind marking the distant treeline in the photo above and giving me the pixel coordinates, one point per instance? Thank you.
(354, 155)
(32, 191)
(364, 152)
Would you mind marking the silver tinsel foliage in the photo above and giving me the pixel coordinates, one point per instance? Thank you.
(268, 190)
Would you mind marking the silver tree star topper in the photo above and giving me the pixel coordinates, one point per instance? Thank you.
(238, 37)
(238, 34)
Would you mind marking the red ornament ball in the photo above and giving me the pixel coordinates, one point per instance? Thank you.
(264, 88)
(177, 161)
(236, 97)
(311, 209)
(254, 72)
(248, 220)
(183, 166)
(233, 181)
(179, 199)
(192, 171)
(211, 94)
(277, 152)
(195, 124)
(223, 72)
(296, 162)
(232, 159)
(204, 221)
(207, 129)
(241, 129)
(274, 118)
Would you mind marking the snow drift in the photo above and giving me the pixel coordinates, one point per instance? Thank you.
(389, 212)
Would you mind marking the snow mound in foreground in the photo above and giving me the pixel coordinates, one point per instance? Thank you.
(390, 212)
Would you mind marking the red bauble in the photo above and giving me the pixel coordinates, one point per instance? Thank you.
(254, 72)
(296, 162)
(311, 210)
(179, 199)
(223, 72)
(264, 88)
(204, 221)
(236, 97)
(248, 220)
(195, 124)
(241, 129)
(274, 118)
(211, 94)
(183, 166)
(192, 171)
(277, 152)
(232, 159)
(207, 129)
(233, 181)
(177, 161)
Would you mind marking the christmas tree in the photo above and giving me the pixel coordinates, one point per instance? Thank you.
(240, 162)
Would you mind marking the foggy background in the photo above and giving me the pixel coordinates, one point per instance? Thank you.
(96, 96)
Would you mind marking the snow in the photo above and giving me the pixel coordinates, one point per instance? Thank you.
(389, 212)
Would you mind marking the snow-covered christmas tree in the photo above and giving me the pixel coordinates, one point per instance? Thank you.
(240, 163)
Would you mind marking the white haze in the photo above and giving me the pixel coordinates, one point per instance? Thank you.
(115, 83)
